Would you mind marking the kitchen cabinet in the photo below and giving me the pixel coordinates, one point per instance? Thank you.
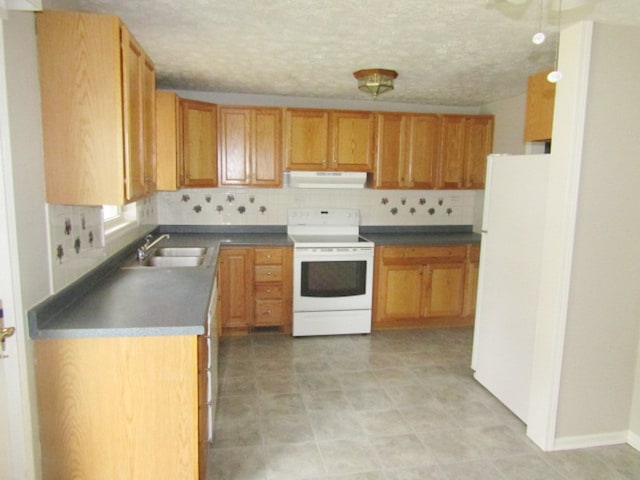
(169, 140)
(466, 140)
(419, 286)
(250, 146)
(272, 287)
(471, 280)
(539, 113)
(329, 140)
(407, 150)
(138, 418)
(97, 95)
(235, 281)
(352, 141)
(199, 145)
(255, 288)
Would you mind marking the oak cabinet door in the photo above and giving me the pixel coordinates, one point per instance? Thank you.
(452, 158)
(399, 293)
(390, 167)
(199, 155)
(352, 141)
(466, 142)
(422, 151)
(471, 281)
(235, 281)
(306, 139)
(444, 289)
(234, 145)
(266, 147)
(478, 144)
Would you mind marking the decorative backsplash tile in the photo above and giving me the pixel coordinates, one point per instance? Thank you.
(78, 244)
(77, 241)
(228, 206)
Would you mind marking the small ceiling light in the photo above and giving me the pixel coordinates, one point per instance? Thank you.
(556, 75)
(375, 81)
(539, 37)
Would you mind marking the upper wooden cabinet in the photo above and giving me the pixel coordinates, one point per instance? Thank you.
(169, 140)
(97, 91)
(329, 140)
(306, 136)
(249, 146)
(352, 141)
(540, 101)
(407, 150)
(466, 140)
(199, 146)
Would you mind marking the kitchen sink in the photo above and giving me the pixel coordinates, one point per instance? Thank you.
(179, 252)
(172, 257)
(172, 261)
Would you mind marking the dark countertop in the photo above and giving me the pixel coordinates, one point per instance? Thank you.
(112, 301)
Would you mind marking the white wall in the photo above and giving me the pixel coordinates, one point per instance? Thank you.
(588, 326)
(509, 124)
(27, 203)
(603, 319)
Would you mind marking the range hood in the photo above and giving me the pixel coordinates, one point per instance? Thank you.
(327, 179)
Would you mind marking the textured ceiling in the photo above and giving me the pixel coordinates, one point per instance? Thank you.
(446, 52)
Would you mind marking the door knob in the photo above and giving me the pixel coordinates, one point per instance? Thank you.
(5, 332)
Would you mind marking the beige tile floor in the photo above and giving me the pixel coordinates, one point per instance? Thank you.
(398, 405)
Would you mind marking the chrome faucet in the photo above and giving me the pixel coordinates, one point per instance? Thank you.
(143, 250)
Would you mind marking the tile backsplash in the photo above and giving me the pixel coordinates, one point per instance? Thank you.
(77, 239)
(78, 243)
(255, 206)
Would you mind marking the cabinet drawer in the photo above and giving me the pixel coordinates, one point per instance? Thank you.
(268, 256)
(413, 255)
(268, 312)
(268, 273)
(268, 291)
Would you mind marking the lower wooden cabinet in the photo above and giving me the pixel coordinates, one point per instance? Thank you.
(255, 288)
(123, 407)
(419, 286)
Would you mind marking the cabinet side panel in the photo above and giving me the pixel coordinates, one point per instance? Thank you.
(80, 80)
(118, 407)
(167, 112)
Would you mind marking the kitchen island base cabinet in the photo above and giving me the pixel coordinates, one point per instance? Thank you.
(423, 286)
(122, 407)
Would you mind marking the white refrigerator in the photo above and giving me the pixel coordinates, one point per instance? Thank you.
(511, 250)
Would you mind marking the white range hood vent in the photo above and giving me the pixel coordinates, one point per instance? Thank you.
(327, 179)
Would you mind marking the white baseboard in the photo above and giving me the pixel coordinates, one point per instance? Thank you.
(600, 440)
(633, 439)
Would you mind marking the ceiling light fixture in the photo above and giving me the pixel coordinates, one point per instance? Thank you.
(375, 81)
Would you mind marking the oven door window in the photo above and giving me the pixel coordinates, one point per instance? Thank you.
(333, 279)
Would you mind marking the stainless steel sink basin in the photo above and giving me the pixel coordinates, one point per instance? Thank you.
(172, 257)
(167, 261)
(179, 252)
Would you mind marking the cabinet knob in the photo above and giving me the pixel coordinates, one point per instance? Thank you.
(268, 274)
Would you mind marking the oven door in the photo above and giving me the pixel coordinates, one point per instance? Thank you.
(331, 279)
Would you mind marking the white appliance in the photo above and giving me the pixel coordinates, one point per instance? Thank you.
(332, 272)
(509, 278)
